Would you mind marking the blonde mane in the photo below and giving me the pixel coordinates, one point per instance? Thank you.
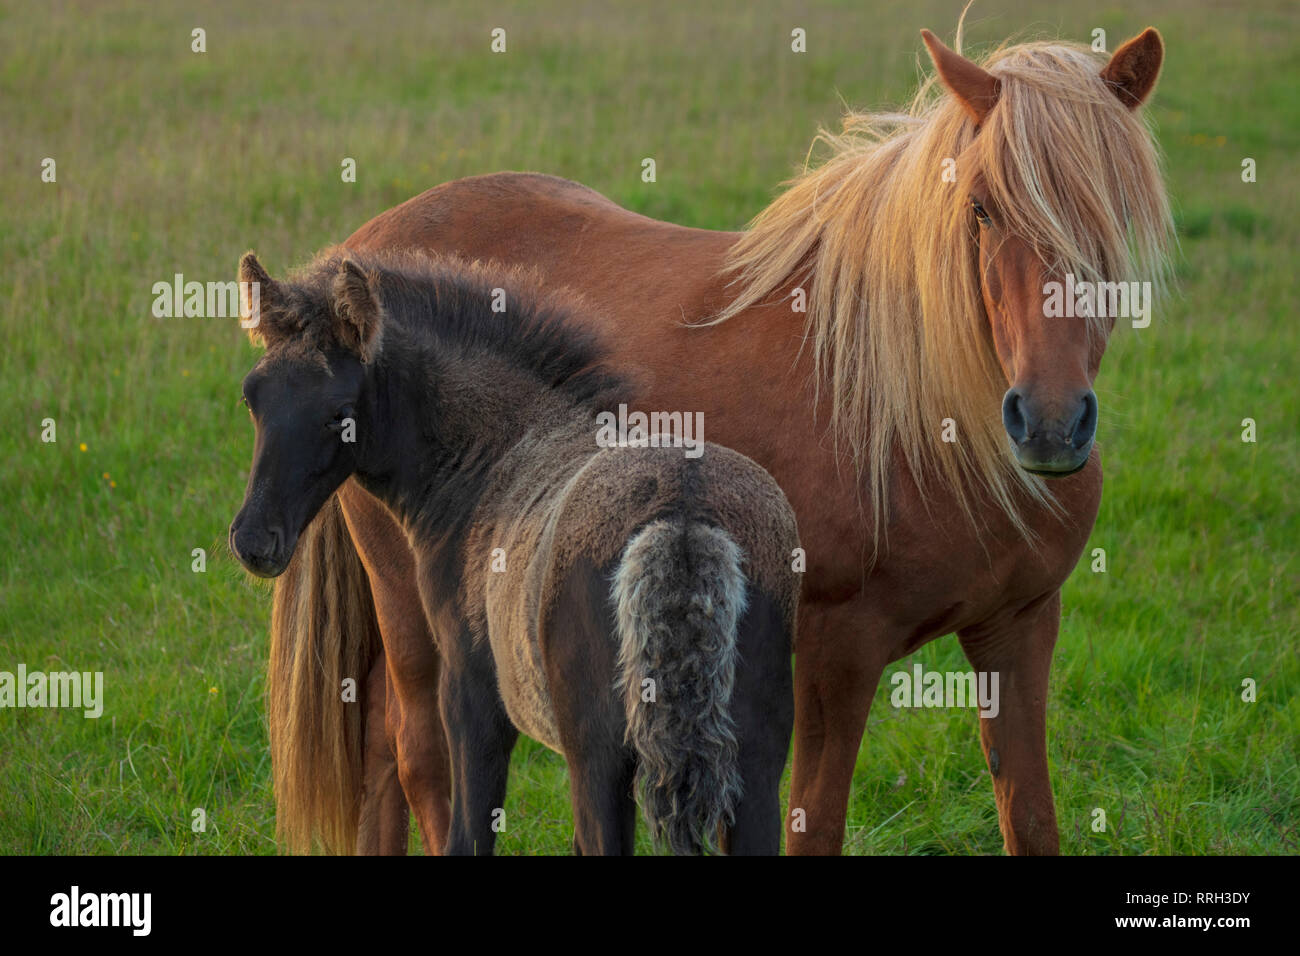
(885, 251)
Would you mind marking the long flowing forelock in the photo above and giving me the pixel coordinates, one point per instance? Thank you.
(1075, 173)
(887, 253)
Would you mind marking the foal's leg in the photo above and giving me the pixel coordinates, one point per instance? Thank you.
(604, 810)
(762, 706)
(579, 650)
(420, 744)
(1019, 649)
(480, 737)
(837, 666)
(384, 817)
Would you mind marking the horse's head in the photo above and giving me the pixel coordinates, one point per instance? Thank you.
(306, 397)
(1051, 177)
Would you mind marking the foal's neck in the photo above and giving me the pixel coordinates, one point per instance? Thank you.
(445, 421)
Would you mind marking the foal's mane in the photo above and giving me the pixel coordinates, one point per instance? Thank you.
(885, 250)
(448, 301)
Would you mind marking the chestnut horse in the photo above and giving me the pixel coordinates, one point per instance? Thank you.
(879, 341)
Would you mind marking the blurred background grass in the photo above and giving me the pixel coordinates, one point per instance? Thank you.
(171, 161)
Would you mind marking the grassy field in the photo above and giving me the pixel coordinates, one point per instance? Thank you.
(170, 161)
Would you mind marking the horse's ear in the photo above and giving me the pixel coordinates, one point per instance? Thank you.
(259, 295)
(975, 88)
(357, 305)
(1132, 71)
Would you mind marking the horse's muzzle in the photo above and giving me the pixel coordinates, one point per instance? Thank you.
(1046, 442)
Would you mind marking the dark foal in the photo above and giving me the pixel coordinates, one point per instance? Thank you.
(630, 606)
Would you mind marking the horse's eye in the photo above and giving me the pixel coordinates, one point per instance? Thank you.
(980, 213)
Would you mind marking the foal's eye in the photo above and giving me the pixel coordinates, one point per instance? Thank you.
(980, 213)
(339, 417)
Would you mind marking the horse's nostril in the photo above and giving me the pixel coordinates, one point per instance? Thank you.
(1084, 427)
(1013, 417)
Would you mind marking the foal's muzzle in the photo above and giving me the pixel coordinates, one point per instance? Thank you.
(259, 548)
(1049, 441)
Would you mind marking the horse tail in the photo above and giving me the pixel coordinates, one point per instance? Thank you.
(323, 630)
(680, 593)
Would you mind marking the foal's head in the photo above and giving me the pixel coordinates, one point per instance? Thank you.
(1060, 177)
(305, 397)
(408, 370)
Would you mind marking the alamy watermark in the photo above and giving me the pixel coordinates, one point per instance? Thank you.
(55, 689)
(1116, 300)
(207, 300)
(75, 908)
(651, 430)
(946, 689)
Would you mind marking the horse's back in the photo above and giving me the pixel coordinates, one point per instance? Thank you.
(508, 215)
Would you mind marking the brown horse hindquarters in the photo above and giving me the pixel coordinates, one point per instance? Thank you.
(936, 573)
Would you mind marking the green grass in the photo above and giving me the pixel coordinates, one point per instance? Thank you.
(170, 161)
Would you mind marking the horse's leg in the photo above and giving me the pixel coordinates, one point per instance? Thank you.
(384, 817)
(480, 737)
(1018, 648)
(762, 705)
(419, 741)
(837, 666)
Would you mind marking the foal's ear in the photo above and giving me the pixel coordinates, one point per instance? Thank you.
(259, 295)
(1132, 71)
(357, 305)
(975, 88)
